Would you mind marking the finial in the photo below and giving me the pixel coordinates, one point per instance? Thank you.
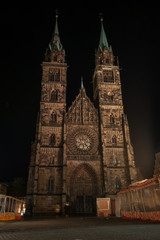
(82, 86)
(101, 17)
(57, 13)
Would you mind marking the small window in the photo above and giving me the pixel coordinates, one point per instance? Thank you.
(105, 96)
(57, 75)
(111, 119)
(114, 140)
(105, 78)
(51, 160)
(51, 75)
(50, 185)
(54, 96)
(54, 75)
(54, 117)
(110, 98)
(52, 140)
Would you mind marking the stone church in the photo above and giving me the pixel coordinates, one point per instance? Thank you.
(83, 153)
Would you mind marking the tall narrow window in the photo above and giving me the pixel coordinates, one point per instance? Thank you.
(114, 140)
(50, 185)
(111, 119)
(52, 139)
(54, 74)
(52, 159)
(57, 75)
(54, 96)
(51, 75)
(110, 97)
(54, 117)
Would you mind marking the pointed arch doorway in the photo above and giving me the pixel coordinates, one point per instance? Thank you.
(83, 190)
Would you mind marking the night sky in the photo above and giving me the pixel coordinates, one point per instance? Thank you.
(134, 33)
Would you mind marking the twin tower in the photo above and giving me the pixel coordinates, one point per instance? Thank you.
(85, 152)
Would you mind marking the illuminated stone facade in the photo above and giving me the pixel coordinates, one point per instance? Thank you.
(85, 152)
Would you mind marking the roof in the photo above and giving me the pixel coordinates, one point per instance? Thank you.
(141, 184)
(82, 110)
(55, 42)
(103, 39)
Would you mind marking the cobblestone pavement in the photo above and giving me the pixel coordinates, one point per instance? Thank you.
(74, 228)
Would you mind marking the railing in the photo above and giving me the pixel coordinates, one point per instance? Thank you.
(11, 208)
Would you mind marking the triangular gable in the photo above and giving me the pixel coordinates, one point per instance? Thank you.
(82, 110)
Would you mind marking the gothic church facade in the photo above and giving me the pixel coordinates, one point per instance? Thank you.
(86, 152)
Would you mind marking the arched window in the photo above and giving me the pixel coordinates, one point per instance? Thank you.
(105, 96)
(105, 79)
(114, 140)
(50, 185)
(110, 97)
(54, 96)
(111, 119)
(51, 159)
(53, 117)
(54, 74)
(52, 139)
(57, 75)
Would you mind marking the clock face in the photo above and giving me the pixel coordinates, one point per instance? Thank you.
(83, 142)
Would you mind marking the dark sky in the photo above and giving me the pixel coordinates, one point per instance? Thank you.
(134, 33)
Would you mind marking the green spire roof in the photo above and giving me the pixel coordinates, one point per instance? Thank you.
(56, 43)
(56, 32)
(103, 39)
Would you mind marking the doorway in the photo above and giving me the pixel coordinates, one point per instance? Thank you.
(79, 204)
(83, 190)
(84, 204)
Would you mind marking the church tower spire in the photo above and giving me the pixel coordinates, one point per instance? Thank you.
(104, 54)
(117, 152)
(55, 51)
(103, 39)
(45, 171)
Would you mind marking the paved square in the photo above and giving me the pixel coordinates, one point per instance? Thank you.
(74, 228)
